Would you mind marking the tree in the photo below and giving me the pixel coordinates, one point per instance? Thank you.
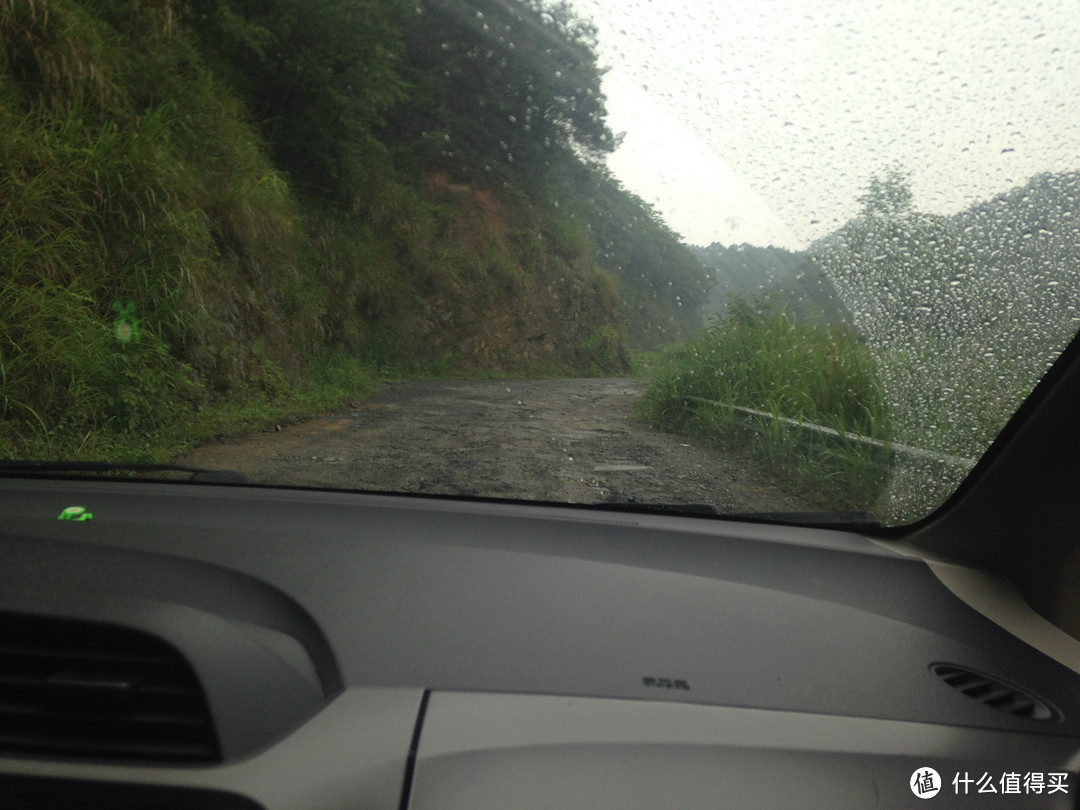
(508, 89)
(888, 196)
(895, 267)
(317, 76)
(663, 284)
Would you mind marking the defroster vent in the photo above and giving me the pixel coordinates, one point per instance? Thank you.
(80, 689)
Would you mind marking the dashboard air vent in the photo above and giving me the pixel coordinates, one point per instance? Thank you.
(78, 689)
(991, 692)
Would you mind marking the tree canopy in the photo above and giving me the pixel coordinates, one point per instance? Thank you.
(894, 266)
(500, 91)
(317, 77)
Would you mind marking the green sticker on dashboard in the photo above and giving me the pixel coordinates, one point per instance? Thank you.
(75, 513)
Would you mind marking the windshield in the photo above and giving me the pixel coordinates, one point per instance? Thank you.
(794, 260)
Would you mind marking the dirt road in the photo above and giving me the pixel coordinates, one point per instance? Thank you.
(551, 440)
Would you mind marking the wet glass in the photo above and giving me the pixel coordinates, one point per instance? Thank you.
(916, 162)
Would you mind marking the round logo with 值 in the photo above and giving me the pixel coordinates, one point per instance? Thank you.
(925, 783)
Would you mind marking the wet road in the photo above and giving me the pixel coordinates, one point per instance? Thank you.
(564, 440)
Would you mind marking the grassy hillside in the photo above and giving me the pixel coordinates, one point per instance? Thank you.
(731, 382)
(214, 214)
(950, 323)
(147, 242)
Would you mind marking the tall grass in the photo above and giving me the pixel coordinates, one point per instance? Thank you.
(947, 398)
(768, 362)
(129, 180)
(68, 387)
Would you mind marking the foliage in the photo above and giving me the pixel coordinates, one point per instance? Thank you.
(129, 183)
(963, 314)
(605, 352)
(663, 285)
(786, 372)
(1025, 249)
(256, 186)
(317, 76)
(507, 90)
(894, 268)
(64, 375)
(484, 97)
(889, 196)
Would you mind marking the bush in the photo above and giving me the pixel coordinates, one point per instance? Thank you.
(606, 353)
(787, 372)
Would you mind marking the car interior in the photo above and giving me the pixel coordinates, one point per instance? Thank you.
(200, 641)
(224, 645)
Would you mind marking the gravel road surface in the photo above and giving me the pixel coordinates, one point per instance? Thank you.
(565, 440)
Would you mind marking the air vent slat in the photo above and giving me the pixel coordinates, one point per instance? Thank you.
(78, 689)
(994, 693)
(141, 720)
(55, 654)
(961, 679)
(104, 749)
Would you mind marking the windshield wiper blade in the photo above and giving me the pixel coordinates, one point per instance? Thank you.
(824, 519)
(198, 474)
(689, 509)
(847, 520)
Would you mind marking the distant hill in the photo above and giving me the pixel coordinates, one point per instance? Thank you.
(1004, 272)
(1024, 254)
(963, 313)
(783, 279)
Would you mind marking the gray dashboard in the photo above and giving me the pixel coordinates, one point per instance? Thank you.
(368, 650)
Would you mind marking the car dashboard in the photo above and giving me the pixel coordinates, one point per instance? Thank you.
(209, 646)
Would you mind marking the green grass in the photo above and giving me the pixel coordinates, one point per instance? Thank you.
(267, 399)
(950, 397)
(336, 379)
(768, 362)
(133, 181)
(646, 363)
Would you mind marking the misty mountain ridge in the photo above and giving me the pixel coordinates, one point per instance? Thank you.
(1018, 251)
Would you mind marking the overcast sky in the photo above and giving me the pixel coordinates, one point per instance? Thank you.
(762, 120)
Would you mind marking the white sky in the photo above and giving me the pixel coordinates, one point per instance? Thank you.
(762, 120)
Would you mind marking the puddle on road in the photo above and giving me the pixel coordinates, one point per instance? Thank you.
(588, 434)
